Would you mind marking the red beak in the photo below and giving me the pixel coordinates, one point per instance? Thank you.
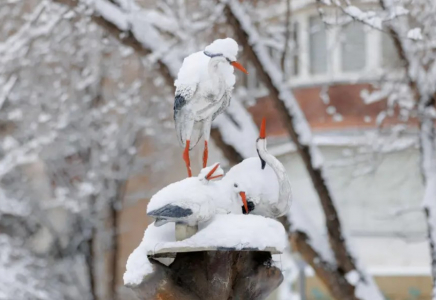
(244, 200)
(238, 66)
(262, 134)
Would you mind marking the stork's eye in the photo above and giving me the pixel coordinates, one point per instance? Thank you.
(235, 185)
(228, 60)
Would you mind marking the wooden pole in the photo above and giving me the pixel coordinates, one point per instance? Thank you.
(212, 275)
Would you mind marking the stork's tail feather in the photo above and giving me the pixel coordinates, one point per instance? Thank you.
(170, 211)
(196, 134)
(159, 222)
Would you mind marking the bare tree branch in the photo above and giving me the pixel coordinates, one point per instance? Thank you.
(287, 36)
(294, 120)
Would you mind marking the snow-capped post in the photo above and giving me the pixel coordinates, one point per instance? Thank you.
(223, 243)
(300, 133)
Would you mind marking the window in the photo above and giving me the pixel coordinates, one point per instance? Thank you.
(353, 47)
(317, 46)
(390, 57)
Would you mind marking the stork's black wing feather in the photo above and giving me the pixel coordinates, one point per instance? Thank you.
(179, 102)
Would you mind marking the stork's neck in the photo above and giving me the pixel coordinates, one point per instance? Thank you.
(282, 206)
(218, 81)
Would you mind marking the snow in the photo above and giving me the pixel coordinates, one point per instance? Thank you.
(7, 87)
(367, 289)
(338, 117)
(352, 277)
(302, 222)
(112, 13)
(415, 34)
(195, 67)
(204, 198)
(228, 47)
(223, 231)
(370, 18)
(138, 266)
(22, 274)
(331, 110)
(375, 96)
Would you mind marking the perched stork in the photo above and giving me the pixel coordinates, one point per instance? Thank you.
(192, 200)
(257, 185)
(198, 102)
(262, 183)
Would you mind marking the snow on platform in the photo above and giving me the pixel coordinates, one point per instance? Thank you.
(224, 232)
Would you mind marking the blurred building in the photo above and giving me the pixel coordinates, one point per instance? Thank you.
(369, 147)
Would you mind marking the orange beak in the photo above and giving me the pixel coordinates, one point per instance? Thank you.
(262, 134)
(244, 200)
(238, 66)
(209, 175)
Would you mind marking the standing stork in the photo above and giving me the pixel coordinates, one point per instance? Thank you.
(197, 104)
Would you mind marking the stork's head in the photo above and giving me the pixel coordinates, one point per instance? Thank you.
(239, 190)
(247, 182)
(221, 57)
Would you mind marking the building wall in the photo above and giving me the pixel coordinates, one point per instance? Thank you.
(369, 203)
(380, 213)
(345, 109)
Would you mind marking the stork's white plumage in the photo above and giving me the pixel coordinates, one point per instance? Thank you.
(193, 200)
(257, 185)
(203, 91)
(261, 182)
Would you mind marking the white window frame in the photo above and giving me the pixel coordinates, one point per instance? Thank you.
(334, 74)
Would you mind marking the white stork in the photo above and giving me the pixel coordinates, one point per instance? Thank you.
(200, 100)
(264, 188)
(257, 186)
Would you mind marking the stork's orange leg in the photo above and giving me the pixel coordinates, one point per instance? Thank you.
(186, 158)
(205, 154)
